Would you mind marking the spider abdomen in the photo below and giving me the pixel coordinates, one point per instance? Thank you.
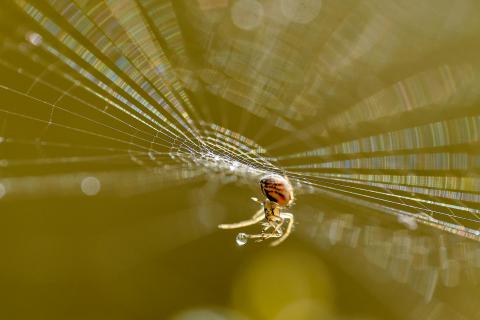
(277, 189)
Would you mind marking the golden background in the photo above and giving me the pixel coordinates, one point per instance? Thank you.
(129, 129)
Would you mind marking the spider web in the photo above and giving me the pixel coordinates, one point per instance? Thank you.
(115, 86)
(104, 91)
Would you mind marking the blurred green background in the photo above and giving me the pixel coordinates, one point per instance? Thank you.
(109, 214)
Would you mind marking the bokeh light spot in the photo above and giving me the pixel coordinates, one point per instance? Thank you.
(247, 14)
(90, 186)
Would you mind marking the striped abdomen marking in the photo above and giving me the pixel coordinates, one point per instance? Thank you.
(277, 189)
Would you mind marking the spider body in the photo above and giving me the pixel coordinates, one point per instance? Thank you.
(271, 210)
(277, 189)
(279, 195)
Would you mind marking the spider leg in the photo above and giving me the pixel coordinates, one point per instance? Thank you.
(271, 223)
(288, 230)
(262, 236)
(278, 227)
(256, 200)
(257, 217)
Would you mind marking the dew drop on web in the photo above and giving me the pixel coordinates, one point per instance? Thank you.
(241, 239)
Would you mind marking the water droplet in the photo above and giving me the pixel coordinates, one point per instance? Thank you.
(242, 239)
(34, 38)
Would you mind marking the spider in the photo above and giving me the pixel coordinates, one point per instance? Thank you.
(279, 195)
